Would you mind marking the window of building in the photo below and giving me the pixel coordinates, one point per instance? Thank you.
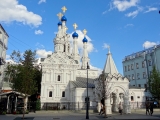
(50, 93)
(128, 67)
(144, 74)
(129, 77)
(132, 66)
(137, 66)
(138, 76)
(63, 94)
(149, 62)
(125, 68)
(59, 78)
(138, 96)
(132, 99)
(143, 64)
(132, 76)
(145, 85)
(139, 85)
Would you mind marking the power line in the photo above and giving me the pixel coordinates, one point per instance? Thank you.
(20, 41)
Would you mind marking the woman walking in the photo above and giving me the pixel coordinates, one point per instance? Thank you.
(120, 108)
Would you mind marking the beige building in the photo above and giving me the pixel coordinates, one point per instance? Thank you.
(3, 48)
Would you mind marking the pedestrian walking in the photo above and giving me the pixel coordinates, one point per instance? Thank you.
(151, 108)
(147, 107)
(101, 110)
(120, 108)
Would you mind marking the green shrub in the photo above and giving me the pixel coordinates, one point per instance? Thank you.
(4, 112)
(38, 105)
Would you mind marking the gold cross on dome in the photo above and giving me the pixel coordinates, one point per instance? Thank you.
(75, 26)
(60, 15)
(84, 31)
(64, 9)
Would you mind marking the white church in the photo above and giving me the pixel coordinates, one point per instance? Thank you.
(64, 76)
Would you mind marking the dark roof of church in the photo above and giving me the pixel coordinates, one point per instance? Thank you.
(82, 82)
(134, 87)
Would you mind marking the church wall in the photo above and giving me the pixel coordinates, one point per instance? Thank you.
(81, 94)
(83, 73)
(50, 78)
(139, 95)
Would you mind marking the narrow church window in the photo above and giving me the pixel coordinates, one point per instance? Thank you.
(63, 94)
(59, 78)
(132, 98)
(64, 48)
(50, 93)
(68, 48)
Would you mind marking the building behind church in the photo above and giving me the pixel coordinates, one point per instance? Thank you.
(3, 48)
(137, 67)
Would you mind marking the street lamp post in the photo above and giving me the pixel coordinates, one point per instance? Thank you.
(87, 100)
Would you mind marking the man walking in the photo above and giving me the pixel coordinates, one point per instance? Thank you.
(151, 108)
(147, 107)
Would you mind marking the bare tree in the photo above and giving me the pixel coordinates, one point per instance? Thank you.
(104, 88)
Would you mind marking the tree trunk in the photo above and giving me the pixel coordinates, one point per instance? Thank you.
(25, 106)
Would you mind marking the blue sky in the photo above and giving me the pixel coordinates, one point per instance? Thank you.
(127, 26)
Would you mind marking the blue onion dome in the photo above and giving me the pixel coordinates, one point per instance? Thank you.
(85, 39)
(75, 35)
(63, 18)
(60, 23)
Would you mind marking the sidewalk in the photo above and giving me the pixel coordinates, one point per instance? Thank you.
(67, 115)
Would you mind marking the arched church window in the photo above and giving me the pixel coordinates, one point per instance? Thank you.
(63, 94)
(64, 48)
(59, 77)
(132, 99)
(68, 48)
(50, 93)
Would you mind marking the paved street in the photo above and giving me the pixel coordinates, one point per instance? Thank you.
(50, 115)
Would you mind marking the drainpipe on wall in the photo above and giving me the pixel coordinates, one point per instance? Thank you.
(135, 74)
(155, 58)
(146, 63)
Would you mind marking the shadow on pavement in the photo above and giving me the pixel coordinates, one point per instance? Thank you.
(25, 118)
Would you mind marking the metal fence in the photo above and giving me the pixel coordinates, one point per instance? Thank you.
(137, 105)
(66, 106)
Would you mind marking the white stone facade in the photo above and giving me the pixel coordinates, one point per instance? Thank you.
(64, 79)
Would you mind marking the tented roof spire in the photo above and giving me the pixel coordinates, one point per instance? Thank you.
(110, 66)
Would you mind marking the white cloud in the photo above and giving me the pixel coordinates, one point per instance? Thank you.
(105, 46)
(38, 32)
(7, 57)
(123, 5)
(134, 13)
(9, 60)
(95, 68)
(42, 53)
(40, 46)
(90, 46)
(151, 9)
(148, 44)
(41, 1)
(105, 12)
(129, 25)
(11, 10)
